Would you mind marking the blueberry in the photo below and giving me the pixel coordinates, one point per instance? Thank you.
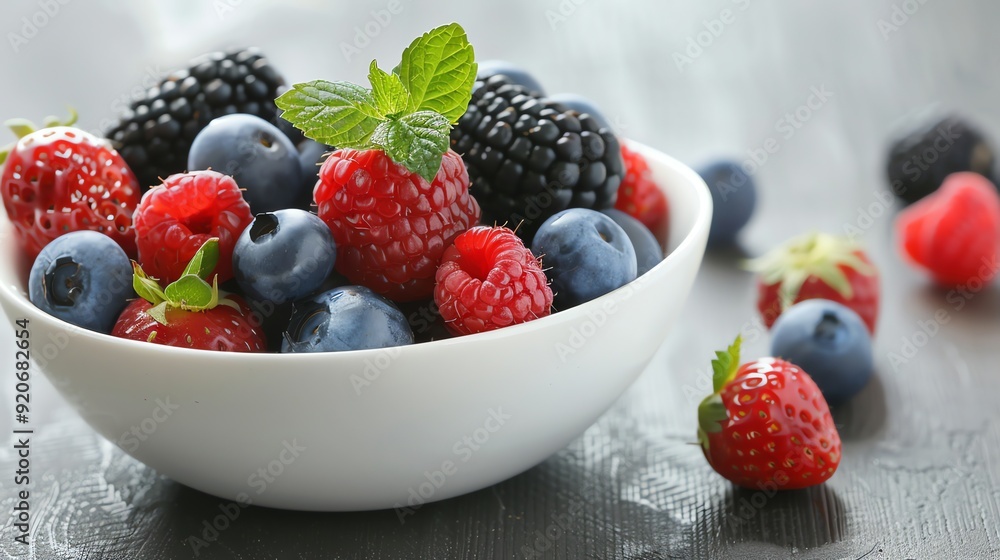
(283, 256)
(830, 342)
(273, 319)
(920, 160)
(734, 197)
(581, 104)
(515, 73)
(83, 278)
(262, 160)
(346, 318)
(586, 253)
(312, 154)
(648, 252)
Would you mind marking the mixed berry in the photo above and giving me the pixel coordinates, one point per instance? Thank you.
(260, 217)
(817, 265)
(449, 199)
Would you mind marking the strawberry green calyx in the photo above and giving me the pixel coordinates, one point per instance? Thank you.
(712, 411)
(24, 127)
(407, 113)
(818, 255)
(190, 292)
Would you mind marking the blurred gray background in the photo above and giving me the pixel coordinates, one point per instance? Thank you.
(920, 475)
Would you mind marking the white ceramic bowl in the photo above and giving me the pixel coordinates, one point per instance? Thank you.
(371, 429)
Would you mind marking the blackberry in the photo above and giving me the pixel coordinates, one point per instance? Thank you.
(155, 133)
(920, 160)
(529, 158)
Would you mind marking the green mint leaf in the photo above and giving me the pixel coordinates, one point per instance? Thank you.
(418, 141)
(389, 93)
(725, 365)
(336, 113)
(438, 70)
(145, 287)
(203, 262)
(191, 293)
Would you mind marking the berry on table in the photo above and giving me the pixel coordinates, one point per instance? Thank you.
(259, 157)
(345, 318)
(639, 196)
(176, 218)
(920, 160)
(62, 179)
(488, 280)
(529, 159)
(766, 425)
(734, 197)
(83, 278)
(954, 233)
(190, 313)
(817, 266)
(828, 340)
(283, 256)
(516, 74)
(648, 252)
(155, 132)
(587, 255)
(394, 195)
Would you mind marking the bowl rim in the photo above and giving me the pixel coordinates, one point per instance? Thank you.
(26, 309)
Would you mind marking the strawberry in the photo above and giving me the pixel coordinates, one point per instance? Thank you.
(62, 179)
(638, 195)
(767, 425)
(817, 266)
(190, 313)
(394, 195)
(954, 233)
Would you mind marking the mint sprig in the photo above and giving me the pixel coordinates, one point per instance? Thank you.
(190, 292)
(438, 69)
(407, 113)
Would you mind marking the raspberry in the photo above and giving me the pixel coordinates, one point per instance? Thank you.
(175, 219)
(391, 226)
(638, 195)
(487, 280)
(954, 233)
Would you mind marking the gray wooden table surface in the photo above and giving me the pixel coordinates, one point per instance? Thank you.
(921, 471)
